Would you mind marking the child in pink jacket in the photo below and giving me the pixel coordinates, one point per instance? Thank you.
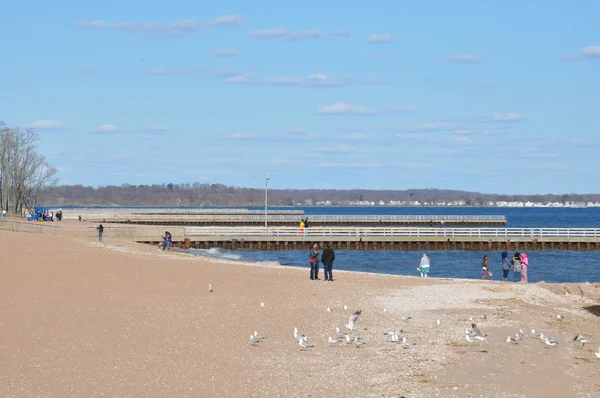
(524, 266)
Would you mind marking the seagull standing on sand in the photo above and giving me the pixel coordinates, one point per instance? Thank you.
(477, 335)
(262, 304)
(254, 339)
(560, 317)
(304, 344)
(598, 352)
(352, 320)
(210, 289)
(406, 342)
(512, 340)
(328, 309)
(332, 340)
(258, 335)
(550, 342)
(438, 322)
(340, 332)
(582, 339)
(297, 334)
(350, 339)
(358, 341)
(345, 307)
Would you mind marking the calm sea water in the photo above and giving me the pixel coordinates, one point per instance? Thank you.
(549, 266)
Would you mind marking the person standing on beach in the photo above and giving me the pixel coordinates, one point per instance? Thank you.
(100, 230)
(314, 262)
(424, 266)
(484, 268)
(516, 266)
(505, 266)
(327, 259)
(524, 266)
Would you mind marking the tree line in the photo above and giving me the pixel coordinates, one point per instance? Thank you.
(199, 194)
(24, 173)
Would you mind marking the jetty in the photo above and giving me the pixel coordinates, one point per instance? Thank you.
(366, 238)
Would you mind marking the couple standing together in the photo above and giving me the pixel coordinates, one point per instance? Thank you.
(327, 259)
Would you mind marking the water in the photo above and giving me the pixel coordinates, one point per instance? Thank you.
(549, 266)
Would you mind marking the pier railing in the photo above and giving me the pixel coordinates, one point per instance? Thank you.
(31, 227)
(393, 232)
(115, 217)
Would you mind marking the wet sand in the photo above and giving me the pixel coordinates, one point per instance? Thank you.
(84, 319)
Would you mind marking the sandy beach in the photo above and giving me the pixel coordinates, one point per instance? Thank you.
(81, 318)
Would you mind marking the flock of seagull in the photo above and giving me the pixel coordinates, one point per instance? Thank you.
(472, 334)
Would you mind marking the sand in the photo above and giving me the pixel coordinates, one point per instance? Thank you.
(118, 319)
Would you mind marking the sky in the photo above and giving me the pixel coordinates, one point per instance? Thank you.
(495, 96)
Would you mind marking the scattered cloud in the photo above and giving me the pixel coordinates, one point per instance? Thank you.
(84, 70)
(504, 118)
(314, 80)
(226, 52)
(186, 27)
(381, 39)
(340, 108)
(431, 126)
(462, 138)
(402, 109)
(47, 124)
(483, 85)
(104, 128)
(464, 59)
(415, 136)
(285, 34)
(241, 136)
(159, 128)
(171, 71)
(589, 53)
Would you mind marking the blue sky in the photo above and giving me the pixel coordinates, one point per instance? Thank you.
(496, 96)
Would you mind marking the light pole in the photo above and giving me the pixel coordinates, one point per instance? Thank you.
(266, 195)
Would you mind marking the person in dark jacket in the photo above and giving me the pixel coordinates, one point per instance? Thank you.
(100, 232)
(314, 262)
(327, 258)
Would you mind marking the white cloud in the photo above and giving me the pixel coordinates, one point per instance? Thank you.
(185, 27)
(463, 139)
(464, 59)
(506, 117)
(340, 108)
(285, 34)
(431, 126)
(315, 80)
(381, 38)
(47, 124)
(84, 70)
(168, 72)
(159, 128)
(226, 52)
(416, 136)
(402, 109)
(104, 128)
(589, 53)
(241, 136)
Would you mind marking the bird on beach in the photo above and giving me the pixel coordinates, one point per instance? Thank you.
(406, 342)
(582, 339)
(598, 353)
(328, 309)
(210, 289)
(358, 342)
(262, 304)
(304, 344)
(345, 307)
(560, 317)
(512, 340)
(340, 332)
(253, 339)
(470, 338)
(406, 318)
(535, 334)
(350, 339)
(353, 319)
(476, 333)
(438, 322)
(258, 335)
(550, 341)
(395, 336)
(332, 340)
(297, 334)
(384, 310)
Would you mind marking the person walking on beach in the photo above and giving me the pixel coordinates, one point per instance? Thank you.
(424, 266)
(327, 259)
(505, 266)
(314, 262)
(302, 227)
(100, 230)
(484, 268)
(516, 266)
(524, 266)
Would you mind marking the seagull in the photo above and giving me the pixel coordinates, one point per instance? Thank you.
(332, 340)
(297, 334)
(384, 310)
(535, 334)
(470, 338)
(350, 339)
(598, 352)
(304, 344)
(560, 317)
(550, 342)
(471, 319)
(258, 335)
(582, 339)
(477, 333)
(328, 309)
(254, 339)
(406, 342)
(345, 307)
(395, 336)
(358, 341)
(438, 322)
(352, 320)
(406, 318)
(339, 332)
(262, 304)
(512, 340)
(210, 289)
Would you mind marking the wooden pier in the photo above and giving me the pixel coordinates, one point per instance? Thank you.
(373, 238)
(292, 220)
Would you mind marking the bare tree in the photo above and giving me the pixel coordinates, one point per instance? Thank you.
(25, 173)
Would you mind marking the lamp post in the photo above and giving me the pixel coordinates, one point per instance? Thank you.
(266, 195)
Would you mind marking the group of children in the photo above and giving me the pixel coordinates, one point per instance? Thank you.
(518, 264)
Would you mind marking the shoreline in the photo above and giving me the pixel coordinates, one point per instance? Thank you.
(83, 318)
